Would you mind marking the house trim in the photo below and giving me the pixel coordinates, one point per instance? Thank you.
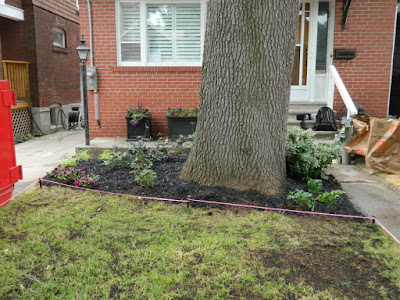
(11, 12)
(143, 33)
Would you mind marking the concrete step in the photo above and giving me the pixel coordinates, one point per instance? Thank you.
(303, 107)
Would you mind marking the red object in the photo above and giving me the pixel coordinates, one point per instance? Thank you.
(9, 171)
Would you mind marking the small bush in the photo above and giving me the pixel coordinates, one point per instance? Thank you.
(20, 138)
(74, 175)
(83, 155)
(304, 198)
(305, 158)
(114, 159)
(145, 177)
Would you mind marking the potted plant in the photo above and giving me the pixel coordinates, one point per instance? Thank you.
(181, 121)
(138, 123)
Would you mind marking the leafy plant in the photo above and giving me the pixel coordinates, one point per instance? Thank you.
(20, 138)
(113, 159)
(184, 143)
(145, 177)
(67, 174)
(314, 186)
(179, 112)
(137, 114)
(306, 158)
(329, 197)
(74, 175)
(83, 155)
(87, 180)
(154, 154)
(303, 198)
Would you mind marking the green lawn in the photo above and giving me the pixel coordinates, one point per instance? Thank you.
(64, 244)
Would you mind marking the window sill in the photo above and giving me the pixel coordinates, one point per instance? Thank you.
(60, 50)
(156, 69)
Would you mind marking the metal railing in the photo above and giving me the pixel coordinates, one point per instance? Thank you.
(351, 108)
(17, 74)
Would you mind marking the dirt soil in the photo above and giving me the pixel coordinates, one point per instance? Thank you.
(167, 185)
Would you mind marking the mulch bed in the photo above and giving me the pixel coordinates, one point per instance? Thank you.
(167, 185)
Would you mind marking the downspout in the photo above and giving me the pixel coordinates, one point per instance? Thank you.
(96, 95)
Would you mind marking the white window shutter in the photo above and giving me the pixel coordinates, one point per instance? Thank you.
(174, 33)
(188, 33)
(160, 33)
(130, 31)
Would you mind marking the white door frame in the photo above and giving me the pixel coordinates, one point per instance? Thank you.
(307, 92)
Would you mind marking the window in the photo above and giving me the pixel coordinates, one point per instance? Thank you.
(152, 33)
(58, 38)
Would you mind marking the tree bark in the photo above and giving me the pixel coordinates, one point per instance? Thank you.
(244, 96)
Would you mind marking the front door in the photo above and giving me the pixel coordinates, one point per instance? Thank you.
(313, 53)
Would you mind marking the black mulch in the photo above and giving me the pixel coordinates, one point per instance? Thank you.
(119, 180)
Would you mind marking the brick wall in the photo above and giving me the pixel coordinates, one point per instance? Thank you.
(54, 72)
(121, 87)
(15, 3)
(64, 8)
(369, 30)
(370, 26)
(57, 68)
(18, 43)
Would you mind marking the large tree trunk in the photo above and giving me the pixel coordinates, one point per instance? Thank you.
(244, 97)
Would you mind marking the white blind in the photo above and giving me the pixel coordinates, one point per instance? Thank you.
(130, 31)
(188, 33)
(174, 33)
(160, 33)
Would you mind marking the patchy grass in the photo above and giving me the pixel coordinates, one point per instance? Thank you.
(66, 244)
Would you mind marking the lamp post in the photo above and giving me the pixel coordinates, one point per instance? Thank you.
(83, 52)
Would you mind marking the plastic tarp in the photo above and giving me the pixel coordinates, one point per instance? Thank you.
(379, 141)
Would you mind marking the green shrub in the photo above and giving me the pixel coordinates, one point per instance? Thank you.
(303, 198)
(72, 162)
(83, 155)
(20, 138)
(145, 177)
(113, 158)
(74, 175)
(314, 186)
(305, 158)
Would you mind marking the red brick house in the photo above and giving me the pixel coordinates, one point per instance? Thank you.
(150, 51)
(38, 40)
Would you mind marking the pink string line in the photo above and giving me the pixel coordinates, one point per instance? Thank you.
(116, 194)
(226, 204)
(282, 209)
(28, 187)
(387, 231)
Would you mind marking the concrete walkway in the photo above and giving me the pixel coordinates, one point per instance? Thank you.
(42, 154)
(370, 196)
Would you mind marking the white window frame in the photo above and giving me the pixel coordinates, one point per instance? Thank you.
(143, 32)
(55, 29)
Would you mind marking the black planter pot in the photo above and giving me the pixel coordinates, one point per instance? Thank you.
(142, 130)
(181, 125)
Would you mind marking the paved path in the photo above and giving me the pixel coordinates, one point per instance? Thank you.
(42, 154)
(370, 196)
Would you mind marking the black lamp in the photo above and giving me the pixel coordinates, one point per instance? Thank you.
(83, 52)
